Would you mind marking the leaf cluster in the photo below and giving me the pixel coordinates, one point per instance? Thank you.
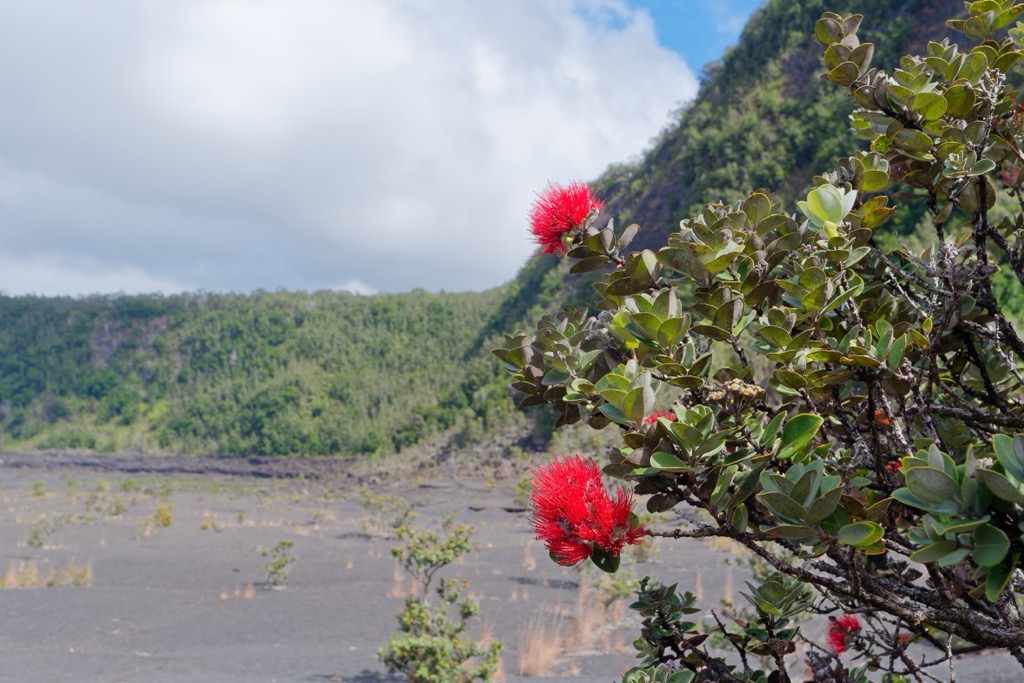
(844, 410)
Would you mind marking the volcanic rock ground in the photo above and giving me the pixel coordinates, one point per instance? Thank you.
(185, 602)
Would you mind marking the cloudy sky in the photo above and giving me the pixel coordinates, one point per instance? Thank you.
(370, 145)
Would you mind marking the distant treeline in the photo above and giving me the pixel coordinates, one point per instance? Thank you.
(267, 373)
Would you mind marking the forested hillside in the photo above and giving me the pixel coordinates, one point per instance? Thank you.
(268, 373)
(327, 373)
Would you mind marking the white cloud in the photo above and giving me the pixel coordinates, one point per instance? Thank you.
(357, 287)
(243, 144)
(55, 275)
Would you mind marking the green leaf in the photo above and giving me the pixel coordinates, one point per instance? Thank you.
(990, 546)
(961, 100)
(824, 506)
(586, 265)
(607, 409)
(954, 558)
(844, 74)
(913, 140)
(931, 105)
(716, 333)
(1000, 486)
(638, 403)
(681, 677)
(790, 378)
(931, 553)
(873, 180)
(1010, 453)
(798, 432)
(931, 485)
(668, 462)
(627, 236)
(605, 561)
(782, 506)
(998, 578)
(895, 356)
(904, 496)
(860, 534)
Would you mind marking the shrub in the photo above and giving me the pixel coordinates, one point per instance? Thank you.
(385, 513)
(851, 414)
(162, 515)
(430, 645)
(40, 531)
(280, 562)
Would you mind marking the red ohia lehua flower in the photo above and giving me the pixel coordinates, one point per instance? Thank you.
(558, 211)
(574, 515)
(653, 417)
(841, 631)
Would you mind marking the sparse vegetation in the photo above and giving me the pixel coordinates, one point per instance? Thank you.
(45, 526)
(385, 513)
(101, 501)
(209, 522)
(26, 574)
(431, 645)
(540, 646)
(162, 515)
(279, 565)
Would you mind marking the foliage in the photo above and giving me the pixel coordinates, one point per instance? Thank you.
(385, 513)
(162, 515)
(431, 645)
(272, 373)
(850, 413)
(44, 527)
(426, 552)
(762, 119)
(281, 560)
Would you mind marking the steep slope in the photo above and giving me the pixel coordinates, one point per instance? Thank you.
(763, 116)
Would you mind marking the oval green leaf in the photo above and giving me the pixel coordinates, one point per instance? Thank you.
(798, 431)
(990, 546)
(860, 534)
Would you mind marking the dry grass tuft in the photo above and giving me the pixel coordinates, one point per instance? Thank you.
(540, 645)
(21, 575)
(25, 574)
(210, 522)
(246, 592)
(588, 616)
(398, 587)
(71, 574)
(529, 561)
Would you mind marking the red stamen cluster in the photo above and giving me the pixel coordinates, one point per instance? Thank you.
(653, 417)
(573, 513)
(841, 631)
(558, 211)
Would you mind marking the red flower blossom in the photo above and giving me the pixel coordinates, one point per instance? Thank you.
(653, 417)
(894, 466)
(841, 630)
(573, 513)
(558, 211)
